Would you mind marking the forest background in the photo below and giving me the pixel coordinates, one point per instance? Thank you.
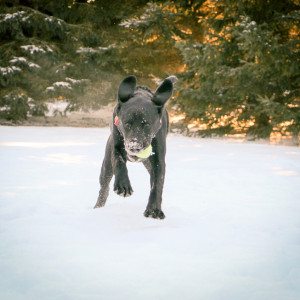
(237, 62)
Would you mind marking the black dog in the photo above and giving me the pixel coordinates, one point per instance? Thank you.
(140, 125)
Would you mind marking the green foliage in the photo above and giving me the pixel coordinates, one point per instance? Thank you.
(241, 57)
(244, 71)
(154, 21)
(148, 49)
(44, 58)
(14, 106)
(238, 61)
(29, 23)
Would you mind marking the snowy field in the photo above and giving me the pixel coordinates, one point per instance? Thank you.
(232, 227)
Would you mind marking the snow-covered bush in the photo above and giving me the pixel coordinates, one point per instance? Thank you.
(66, 87)
(33, 49)
(23, 62)
(15, 106)
(29, 22)
(48, 47)
(98, 56)
(32, 62)
(8, 74)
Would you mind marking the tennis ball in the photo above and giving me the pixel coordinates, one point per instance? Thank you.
(145, 153)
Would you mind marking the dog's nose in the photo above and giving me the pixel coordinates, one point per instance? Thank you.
(134, 146)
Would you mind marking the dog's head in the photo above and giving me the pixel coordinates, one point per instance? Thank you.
(139, 112)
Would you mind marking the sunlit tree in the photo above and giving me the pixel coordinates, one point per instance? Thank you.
(240, 61)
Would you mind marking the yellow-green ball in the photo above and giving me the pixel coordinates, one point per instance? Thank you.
(145, 153)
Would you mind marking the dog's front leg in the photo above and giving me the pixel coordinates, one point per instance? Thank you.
(156, 167)
(122, 184)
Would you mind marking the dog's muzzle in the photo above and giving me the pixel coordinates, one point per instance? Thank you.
(133, 147)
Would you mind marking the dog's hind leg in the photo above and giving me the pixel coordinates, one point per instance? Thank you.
(105, 175)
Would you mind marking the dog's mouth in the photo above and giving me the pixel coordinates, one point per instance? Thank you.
(135, 152)
(141, 155)
(131, 152)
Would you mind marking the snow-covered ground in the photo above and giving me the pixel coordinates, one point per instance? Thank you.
(232, 227)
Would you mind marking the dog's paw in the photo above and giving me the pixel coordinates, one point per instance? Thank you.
(154, 213)
(123, 188)
(99, 203)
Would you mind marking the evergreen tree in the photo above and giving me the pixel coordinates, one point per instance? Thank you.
(247, 68)
(241, 61)
(238, 61)
(55, 50)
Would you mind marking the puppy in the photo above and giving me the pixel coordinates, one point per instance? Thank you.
(138, 134)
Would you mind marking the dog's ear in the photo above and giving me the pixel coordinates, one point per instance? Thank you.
(126, 88)
(163, 92)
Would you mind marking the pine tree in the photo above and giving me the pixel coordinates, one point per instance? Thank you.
(246, 70)
(238, 61)
(241, 61)
(54, 50)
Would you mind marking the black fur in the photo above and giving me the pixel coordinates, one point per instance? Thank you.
(143, 120)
